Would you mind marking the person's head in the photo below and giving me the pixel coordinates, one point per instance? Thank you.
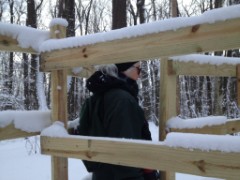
(131, 70)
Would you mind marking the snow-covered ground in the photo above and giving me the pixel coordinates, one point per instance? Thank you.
(21, 159)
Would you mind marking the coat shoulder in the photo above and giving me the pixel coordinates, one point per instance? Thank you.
(117, 94)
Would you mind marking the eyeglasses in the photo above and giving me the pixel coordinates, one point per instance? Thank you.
(138, 69)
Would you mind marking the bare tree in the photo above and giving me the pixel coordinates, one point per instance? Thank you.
(174, 8)
(31, 62)
(119, 14)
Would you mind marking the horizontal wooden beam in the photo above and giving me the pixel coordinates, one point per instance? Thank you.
(231, 126)
(199, 38)
(12, 45)
(10, 132)
(145, 155)
(196, 69)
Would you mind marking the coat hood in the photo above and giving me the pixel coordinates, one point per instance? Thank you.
(100, 83)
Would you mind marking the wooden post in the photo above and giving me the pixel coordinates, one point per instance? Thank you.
(238, 84)
(59, 106)
(168, 104)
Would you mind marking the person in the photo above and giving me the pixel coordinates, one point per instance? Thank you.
(113, 111)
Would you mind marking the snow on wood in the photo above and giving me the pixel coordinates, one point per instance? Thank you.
(58, 21)
(207, 59)
(210, 17)
(191, 39)
(36, 38)
(151, 155)
(28, 121)
(55, 130)
(223, 143)
(218, 125)
(187, 140)
(26, 37)
(177, 122)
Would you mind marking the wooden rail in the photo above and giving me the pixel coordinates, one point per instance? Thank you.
(12, 45)
(231, 126)
(145, 155)
(196, 69)
(198, 38)
(10, 132)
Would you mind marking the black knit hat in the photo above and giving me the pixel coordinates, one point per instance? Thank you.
(124, 66)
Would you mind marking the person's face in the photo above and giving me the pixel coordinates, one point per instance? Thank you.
(134, 71)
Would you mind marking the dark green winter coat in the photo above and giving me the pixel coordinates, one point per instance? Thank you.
(112, 111)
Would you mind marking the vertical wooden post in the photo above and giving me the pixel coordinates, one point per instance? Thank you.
(168, 104)
(238, 84)
(59, 106)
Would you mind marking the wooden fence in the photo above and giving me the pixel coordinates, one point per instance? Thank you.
(220, 35)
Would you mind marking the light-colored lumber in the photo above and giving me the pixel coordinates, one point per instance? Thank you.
(145, 155)
(10, 132)
(59, 96)
(59, 107)
(168, 96)
(231, 126)
(168, 104)
(196, 69)
(11, 45)
(199, 38)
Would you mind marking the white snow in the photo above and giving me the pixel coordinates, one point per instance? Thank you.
(179, 123)
(27, 37)
(38, 40)
(207, 59)
(58, 21)
(77, 70)
(55, 130)
(212, 16)
(29, 121)
(73, 124)
(223, 143)
(18, 161)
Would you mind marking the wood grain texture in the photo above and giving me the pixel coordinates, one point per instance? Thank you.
(10, 132)
(206, 37)
(145, 155)
(196, 69)
(12, 45)
(232, 126)
(59, 107)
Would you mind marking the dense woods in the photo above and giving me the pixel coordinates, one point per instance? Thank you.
(23, 87)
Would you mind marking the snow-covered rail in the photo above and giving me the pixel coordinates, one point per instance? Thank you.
(198, 38)
(213, 161)
(204, 125)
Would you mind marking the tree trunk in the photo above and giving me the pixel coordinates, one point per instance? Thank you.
(68, 12)
(32, 22)
(119, 14)
(174, 8)
(218, 3)
(26, 80)
(141, 10)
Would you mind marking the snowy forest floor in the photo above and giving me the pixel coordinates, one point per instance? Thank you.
(21, 159)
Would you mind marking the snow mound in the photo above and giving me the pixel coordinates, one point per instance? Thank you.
(28, 121)
(177, 122)
(223, 143)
